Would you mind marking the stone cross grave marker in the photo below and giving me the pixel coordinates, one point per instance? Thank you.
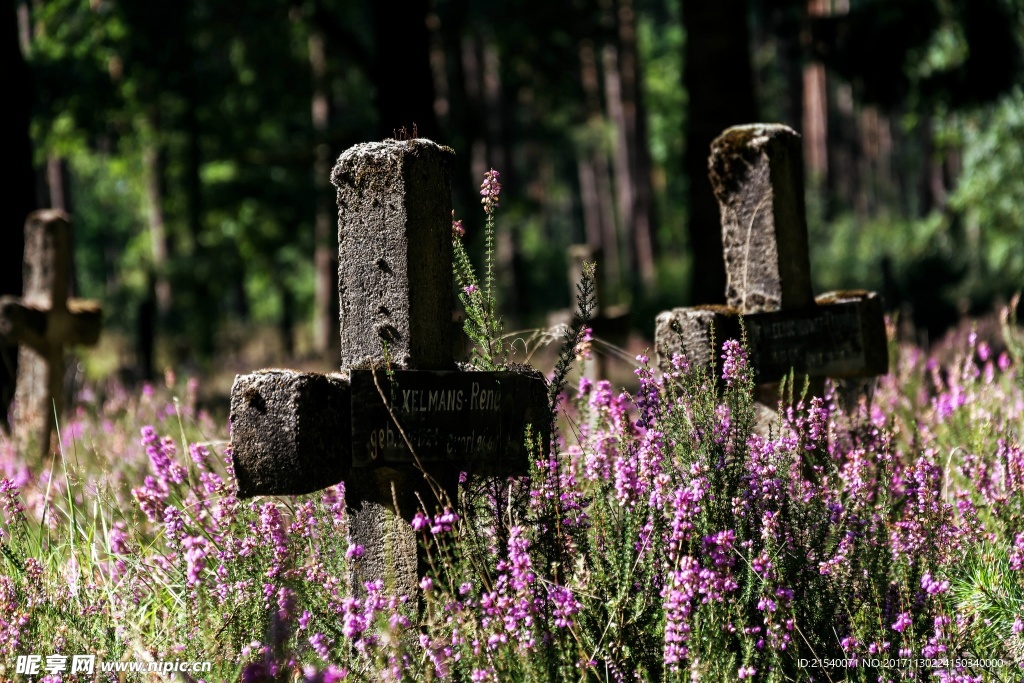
(757, 175)
(609, 324)
(44, 322)
(295, 433)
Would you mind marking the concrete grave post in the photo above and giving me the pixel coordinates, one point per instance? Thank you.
(757, 175)
(400, 421)
(44, 322)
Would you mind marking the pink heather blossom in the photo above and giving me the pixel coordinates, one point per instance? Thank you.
(489, 190)
(734, 362)
(932, 586)
(1017, 553)
(195, 559)
(420, 521)
(320, 646)
(902, 622)
(443, 522)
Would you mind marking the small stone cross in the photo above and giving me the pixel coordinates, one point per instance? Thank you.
(44, 322)
(757, 175)
(400, 421)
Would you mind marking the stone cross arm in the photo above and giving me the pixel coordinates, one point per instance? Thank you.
(295, 432)
(42, 329)
(289, 432)
(843, 336)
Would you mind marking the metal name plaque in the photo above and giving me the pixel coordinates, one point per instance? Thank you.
(845, 338)
(475, 418)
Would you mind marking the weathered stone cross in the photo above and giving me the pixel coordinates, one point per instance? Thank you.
(401, 421)
(757, 175)
(44, 322)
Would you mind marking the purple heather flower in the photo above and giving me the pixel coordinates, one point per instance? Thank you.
(933, 587)
(489, 190)
(734, 362)
(457, 229)
(1017, 553)
(420, 521)
(320, 646)
(443, 522)
(470, 289)
(1003, 362)
(199, 454)
(10, 499)
(151, 496)
(354, 551)
(353, 621)
(564, 605)
(648, 397)
(161, 456)
(174, 523)
(902, 622)
(195, 559)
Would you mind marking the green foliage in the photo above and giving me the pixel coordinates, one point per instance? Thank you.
(586, 302)
(987, 598)
(482, 326)
(989, 193)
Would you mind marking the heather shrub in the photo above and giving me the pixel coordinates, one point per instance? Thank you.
(664, 536)
(660, 539)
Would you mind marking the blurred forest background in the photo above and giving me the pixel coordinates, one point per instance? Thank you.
(192, 141)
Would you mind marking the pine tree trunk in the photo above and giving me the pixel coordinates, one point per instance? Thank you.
(815, 110)
(639, 226)
(592, 167)
(326, 342)
(718, 77)
(20, 192)
(160, 309)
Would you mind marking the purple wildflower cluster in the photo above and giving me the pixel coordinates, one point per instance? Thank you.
(489, 191)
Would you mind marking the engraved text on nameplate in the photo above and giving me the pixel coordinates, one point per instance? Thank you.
(820, 342)
(458, 417)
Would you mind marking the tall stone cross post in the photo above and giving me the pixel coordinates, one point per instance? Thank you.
(400, 422)
(44, 322)
(757, 175)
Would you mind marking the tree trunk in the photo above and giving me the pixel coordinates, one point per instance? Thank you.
(326, 342)
(640, 227)
(718, 77)
(624, 191)
(160, 248)
(815, 109)
(595, 183)
(20, 194)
